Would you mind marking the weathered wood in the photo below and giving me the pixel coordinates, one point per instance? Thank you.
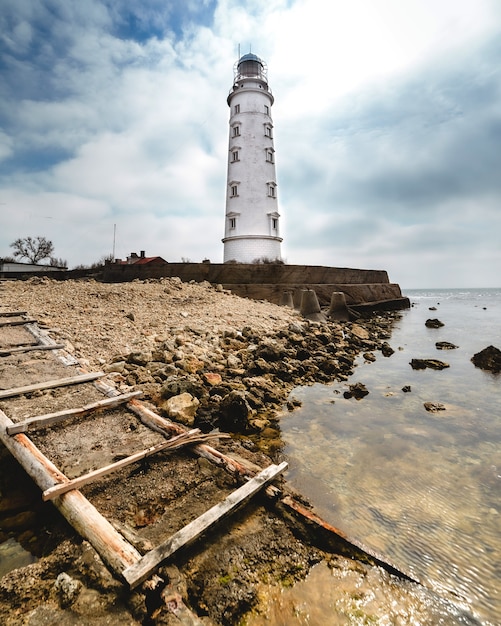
(12, 313)
(15, 322)
(115, 551)
(43, 338)
(30, 348)
(43, 421)
(75, 483)
(141, 570)
(51, 384)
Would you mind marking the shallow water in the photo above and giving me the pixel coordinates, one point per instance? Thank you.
(423, 489)
(13, 555)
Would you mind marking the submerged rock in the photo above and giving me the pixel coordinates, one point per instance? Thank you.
(433, 323)
(434, 407)
(445, 345)
(357, 391)
(422, 364)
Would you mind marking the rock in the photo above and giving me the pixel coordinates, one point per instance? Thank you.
(182, 408)
(130, 316)
(175, 386)
(359, 331)
(212, 378)
(386, 349)
(433, 323)
(139, 358)
(235, 412)
(445, 345)
(488, 359)
(67, 588)
(434, 407)
(369, 356)
(421, 364)
(119, 367)
(406, 389)
(357, 391)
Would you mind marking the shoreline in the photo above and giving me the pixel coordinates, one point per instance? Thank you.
(234, 363)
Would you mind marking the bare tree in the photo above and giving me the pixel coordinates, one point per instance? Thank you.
(33, 248)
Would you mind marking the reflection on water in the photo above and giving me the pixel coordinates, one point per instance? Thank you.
(421, 488)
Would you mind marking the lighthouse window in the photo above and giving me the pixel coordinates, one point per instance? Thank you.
(237, 108)
(269, 156)
(233, 222)
(236, 131)
(234, 191)
(274, 222)
(266, 109)
(267, 131)
(235, 156)
(271, 190)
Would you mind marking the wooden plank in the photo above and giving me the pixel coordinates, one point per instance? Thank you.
(29, 348)
(16, 322)
(141, 570)
(115, 551)
(80, 481)
(49, 419)
(51, 384)
(43, 338)
(12, 313)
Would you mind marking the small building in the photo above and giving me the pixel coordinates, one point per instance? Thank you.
(15, 269)
(141, 259)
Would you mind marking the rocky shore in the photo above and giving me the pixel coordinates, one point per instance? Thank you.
(206, 358)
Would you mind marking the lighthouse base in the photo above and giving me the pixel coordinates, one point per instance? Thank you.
(251, 249)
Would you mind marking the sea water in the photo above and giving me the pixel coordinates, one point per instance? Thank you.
(423, 489)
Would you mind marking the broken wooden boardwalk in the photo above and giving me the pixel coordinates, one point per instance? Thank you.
(121, 556)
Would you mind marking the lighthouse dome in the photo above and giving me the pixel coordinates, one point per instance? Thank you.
(251, 66)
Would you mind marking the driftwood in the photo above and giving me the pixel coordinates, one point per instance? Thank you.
(43, 421)
(51, 384)
(9, 351)
(186, 439)
(141, 570)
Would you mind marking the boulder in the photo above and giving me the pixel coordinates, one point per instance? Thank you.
(488, 359)
(434, 407)
(182, 408)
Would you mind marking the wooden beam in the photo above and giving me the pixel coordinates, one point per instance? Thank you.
(15, 322)
(9, 351)
(12, 313)
(75, 483)
(115, 551)
(49, 419)
(51, 384)
(141, 570)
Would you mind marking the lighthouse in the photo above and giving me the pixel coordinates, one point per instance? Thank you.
(252, 229)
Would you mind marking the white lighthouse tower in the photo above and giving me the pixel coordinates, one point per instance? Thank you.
(252, 220)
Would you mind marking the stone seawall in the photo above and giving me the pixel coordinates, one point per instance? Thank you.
(364, 288)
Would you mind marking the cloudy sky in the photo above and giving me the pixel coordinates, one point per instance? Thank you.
(113, 119)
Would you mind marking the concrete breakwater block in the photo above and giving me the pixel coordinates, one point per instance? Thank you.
(310, 307)
(338, 310)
